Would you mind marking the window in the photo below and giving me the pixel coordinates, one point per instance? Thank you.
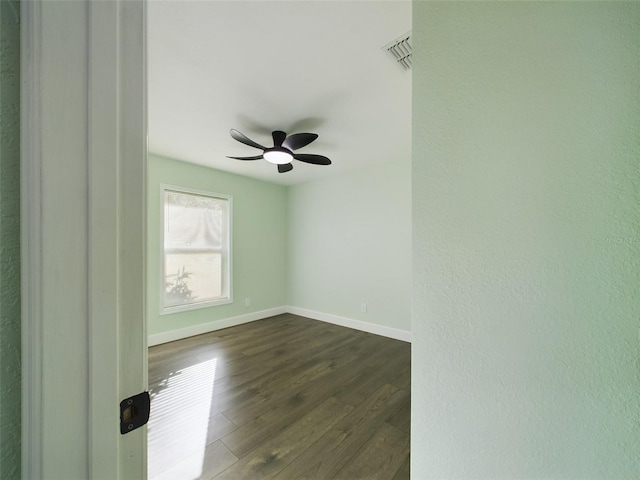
(196, 249)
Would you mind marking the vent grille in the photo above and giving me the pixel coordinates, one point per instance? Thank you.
(401, 50)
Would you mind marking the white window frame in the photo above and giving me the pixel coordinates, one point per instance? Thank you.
(226, 250)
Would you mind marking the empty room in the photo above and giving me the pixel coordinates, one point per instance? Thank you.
(518, 205)
(278, 291)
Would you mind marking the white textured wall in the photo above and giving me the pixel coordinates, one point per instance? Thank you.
(350, 243)
(526, 208)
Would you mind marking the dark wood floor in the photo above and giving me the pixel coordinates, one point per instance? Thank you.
(282, 398)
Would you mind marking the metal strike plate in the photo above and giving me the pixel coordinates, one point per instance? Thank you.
(134, 412)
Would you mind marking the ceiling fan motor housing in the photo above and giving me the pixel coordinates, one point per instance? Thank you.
(278, 155)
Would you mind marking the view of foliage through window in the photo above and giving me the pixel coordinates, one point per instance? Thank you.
(196, 249)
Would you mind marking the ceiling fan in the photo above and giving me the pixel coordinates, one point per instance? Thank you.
(281, 154)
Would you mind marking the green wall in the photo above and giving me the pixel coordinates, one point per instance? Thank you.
(326, 246)
(10, 389)
(526, 219)
(259, 242)
(350, 243)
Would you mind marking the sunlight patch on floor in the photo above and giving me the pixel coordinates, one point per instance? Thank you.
(179, 421)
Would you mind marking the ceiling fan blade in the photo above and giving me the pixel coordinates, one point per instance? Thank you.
(310, 158)
(299, 140)
(242, 138)
(284, 167)
(278, 137)
(257, 157)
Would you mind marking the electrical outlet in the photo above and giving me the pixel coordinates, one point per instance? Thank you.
(363, 307)
(247, 302)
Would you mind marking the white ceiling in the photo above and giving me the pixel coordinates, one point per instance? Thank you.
(297, 66)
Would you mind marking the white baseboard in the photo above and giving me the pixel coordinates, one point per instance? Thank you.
(166, 337)
(390, 332)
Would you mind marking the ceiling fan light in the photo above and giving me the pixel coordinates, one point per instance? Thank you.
(277, 156)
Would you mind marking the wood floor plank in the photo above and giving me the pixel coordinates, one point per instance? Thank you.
(403, 379)
(380, 458)
(241, 371)
(404, 472)
(230, 341)
(402, 417)
(291, 382)
(335, 449)
(370, 382)
(294, 336)
(389, 350)
(217, 458)
(287, 397)
(269, 458)
(219, 426)
(253, 386)
(260, 421)
(204, 465)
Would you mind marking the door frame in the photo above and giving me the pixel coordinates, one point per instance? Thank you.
(83, 229)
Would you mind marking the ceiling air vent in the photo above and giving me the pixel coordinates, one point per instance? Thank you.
(401, 50)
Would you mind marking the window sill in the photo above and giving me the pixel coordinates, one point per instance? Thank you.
(195, 306)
